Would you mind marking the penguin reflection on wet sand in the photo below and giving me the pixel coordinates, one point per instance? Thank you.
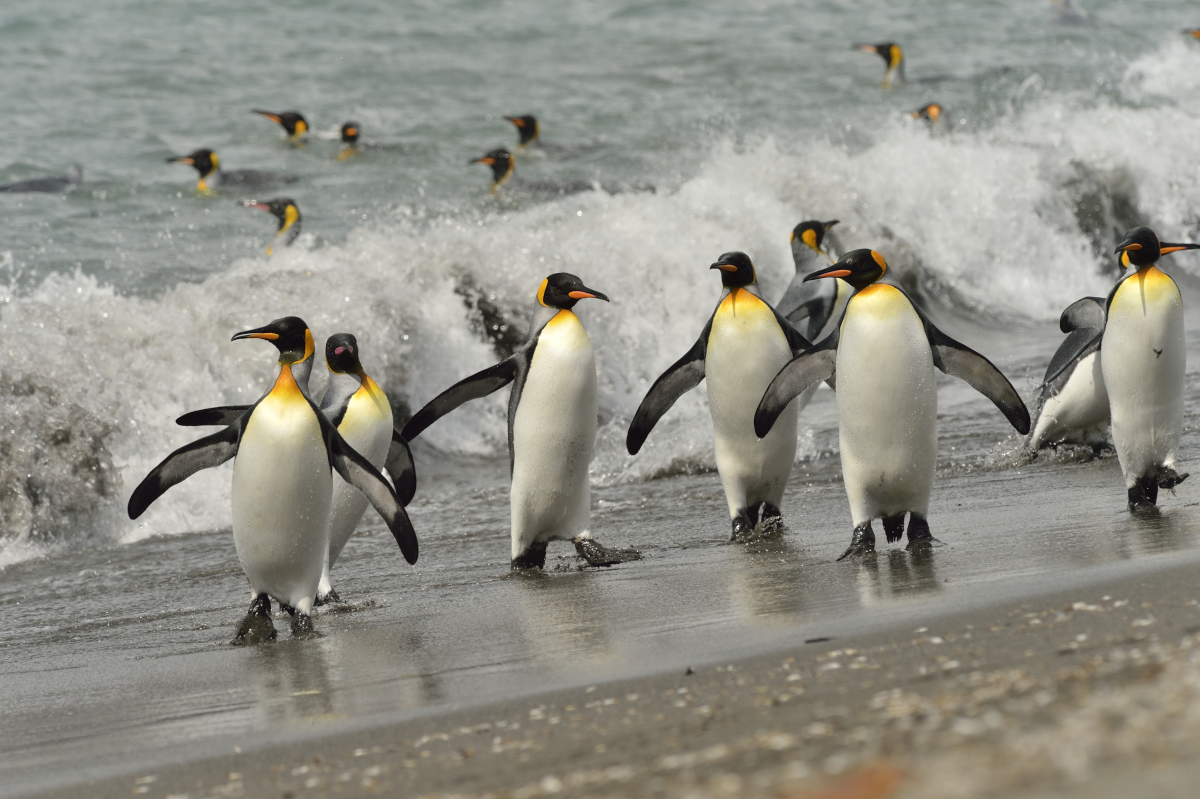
(283, 450)
(551, 426)
(1142, 359)
(285, 210)
(293, 122)
(881, 358)
(235, 181)
(1072, 400)
(742, 347)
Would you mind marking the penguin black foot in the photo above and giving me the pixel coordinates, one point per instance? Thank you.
(919, 537)
(743, 526)
(532, 558)
(772, 520)
(1143, 494)
(288, 609)
(862, 541)
(596, 554)
(893, 527)
(1168, 478)
(302, 626)
(329, 599)
(256, 627)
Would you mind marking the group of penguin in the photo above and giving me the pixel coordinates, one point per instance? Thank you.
(305, 471)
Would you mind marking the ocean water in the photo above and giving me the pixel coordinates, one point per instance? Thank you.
(117, 300)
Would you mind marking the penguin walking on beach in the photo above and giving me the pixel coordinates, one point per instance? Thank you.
(283, 450)
(287, 212)
(293, 123)
(881, 357)
(215, 179)
(551, 425)
(742, 347)
(1142, 360)
(1072, 400)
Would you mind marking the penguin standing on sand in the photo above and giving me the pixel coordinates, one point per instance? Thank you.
(551, 425)
(1072, 400)
(882, 356)
(284, 449)
(288, 213)
(742, 347)
(293, 122)
(1142, 360)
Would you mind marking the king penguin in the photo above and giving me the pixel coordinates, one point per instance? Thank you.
(215, 179)
(350, 131)
(528, 129)
(283, 450)
(742, 347)
(1072, 400)
(551, 424)
(882, 355)
(293, 122)
(892, 56)
(1142, 360)
(288, 213)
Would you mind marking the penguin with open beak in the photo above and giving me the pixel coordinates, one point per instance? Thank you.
(881, 357)
(284, 451)
(1143, 359)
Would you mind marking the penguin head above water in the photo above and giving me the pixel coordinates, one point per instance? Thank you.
(205, 161)
(930, 112)
(1141, 247)
(283, 208)
(892, 56)
(859, 268)
(1193, 32)
(737, 270)
(290, 335)
(562, 290)
(350, 132)
(292, 121)
(501, 162)
(527, 127)
(341, 354)
(807, 236)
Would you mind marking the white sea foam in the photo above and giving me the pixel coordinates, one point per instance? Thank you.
(996, 219)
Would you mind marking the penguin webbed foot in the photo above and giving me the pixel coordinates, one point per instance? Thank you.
(747, 528)
(1168, 478)
(302, 626)
(1143, 495)
(920, 540)
(256, 627)
(331, 598)
(862, 542)
(532, 558)
(596, 554)
(893, 527)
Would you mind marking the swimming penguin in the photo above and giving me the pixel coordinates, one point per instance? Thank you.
(284, 449)
(285, 210)
(67, 181)
(882, 356)
(1193, 32)
(349, 133)
(551, 424)
(930, 112)
(742, 347)
(291, 121)
(1142, 360)
(892, 56)
(528, 129)
(236, 181)
(1072, 400)
(501, 162)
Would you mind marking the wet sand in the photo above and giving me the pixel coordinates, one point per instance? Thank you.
(1056, 690)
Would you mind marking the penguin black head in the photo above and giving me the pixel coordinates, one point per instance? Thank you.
(563, 290)
(292, 121)
(1193, 32)
(811, 233)
(736, 270)
(341, 354)
(527, 127)
(892, 56)
(859, 268)
(283, 208)
(931, 112)
(205, 161)
(1141, 247)
(290, 335)
(501, 162)
(350, 132)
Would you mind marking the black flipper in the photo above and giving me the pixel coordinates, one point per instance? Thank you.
(795, 338)
(476, 386)
(1087, 312)
(1083, 321)
(959, 360)
(797, 375)
(400, 468)
(224, 415)
(181, 464)
(682, 376)
(358, 472)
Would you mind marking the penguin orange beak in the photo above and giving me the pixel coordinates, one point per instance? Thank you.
(258, 332)
(1165, 248)
(833, 271)
(259, 206)
(520, 123)
(866, 48)
(724, 267)
(273, 117)
(587, 294)
(482, 160)
(182, 159)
